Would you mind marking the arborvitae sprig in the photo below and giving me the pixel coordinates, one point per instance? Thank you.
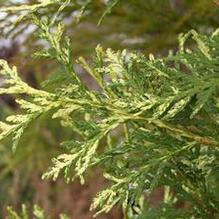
(164, 109)
(17, 124)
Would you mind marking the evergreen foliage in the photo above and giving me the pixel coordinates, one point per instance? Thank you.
(164, 109)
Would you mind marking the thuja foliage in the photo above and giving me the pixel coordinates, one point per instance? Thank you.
(164, 110)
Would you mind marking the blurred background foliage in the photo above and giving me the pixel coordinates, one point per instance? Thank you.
(150, 26)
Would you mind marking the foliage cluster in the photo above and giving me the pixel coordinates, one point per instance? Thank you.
(165, 111)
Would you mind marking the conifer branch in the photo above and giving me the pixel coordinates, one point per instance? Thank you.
(164, 104)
